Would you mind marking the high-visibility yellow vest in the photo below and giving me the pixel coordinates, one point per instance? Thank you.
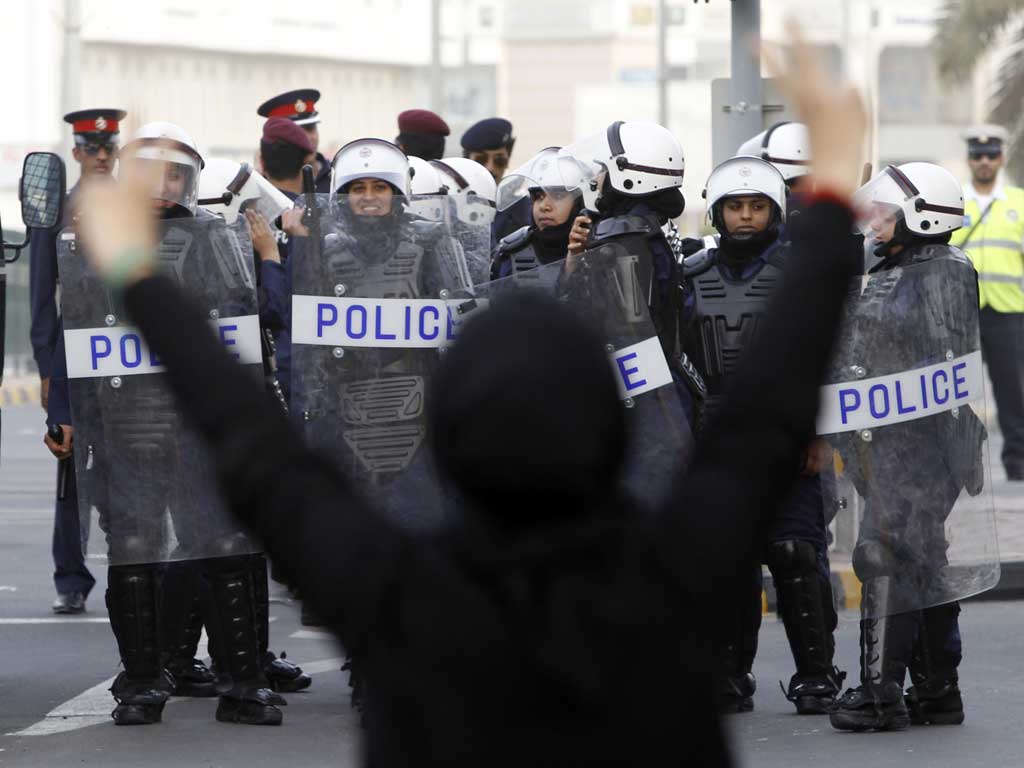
(996, 248)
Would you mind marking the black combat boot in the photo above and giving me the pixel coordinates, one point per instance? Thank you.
(281, 674)
(877, 703)
(183, 626)
(806, 610)
(141, 690)
(934, 698)
(249, 700)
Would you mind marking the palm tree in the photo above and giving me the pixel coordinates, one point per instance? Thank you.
(966, 30)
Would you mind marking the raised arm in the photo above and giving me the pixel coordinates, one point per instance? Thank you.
(750, 456)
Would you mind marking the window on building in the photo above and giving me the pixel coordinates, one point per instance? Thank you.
(641, 14)
(675, 15)
(486, 16)
(910, 91)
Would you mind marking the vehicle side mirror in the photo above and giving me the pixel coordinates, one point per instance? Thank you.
(42, 190)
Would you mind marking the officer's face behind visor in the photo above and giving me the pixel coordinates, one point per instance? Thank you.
(879, 207)
(370, 197)
(882, 222)
(552, 206)
(172, 182)
(746, 215)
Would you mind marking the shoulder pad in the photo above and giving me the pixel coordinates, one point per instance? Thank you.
(617, 226)
(698, 263)
(515, 240)
(777, 254)
(937, 252)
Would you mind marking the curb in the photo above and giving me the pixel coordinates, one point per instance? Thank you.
(20, 391)
(846, 588)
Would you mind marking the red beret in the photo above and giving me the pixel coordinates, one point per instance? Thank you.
(283, 129)
(422, 121)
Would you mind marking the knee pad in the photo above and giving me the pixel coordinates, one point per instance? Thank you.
(792, 558)
(230, 545)
(126, 550)
(872, 559)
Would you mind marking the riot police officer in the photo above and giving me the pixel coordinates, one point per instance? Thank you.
(96, 134)
(727, 289)
(786, 146)
(554, 208)
(148, 472)
(472, 193)
(630, 177)
(918, 307)
(364, 398)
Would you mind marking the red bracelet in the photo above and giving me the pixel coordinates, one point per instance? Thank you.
(826, 195)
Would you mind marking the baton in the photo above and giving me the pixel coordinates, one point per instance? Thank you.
(57, 434)
(311, 216)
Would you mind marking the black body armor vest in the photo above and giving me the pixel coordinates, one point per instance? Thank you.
(727, 315)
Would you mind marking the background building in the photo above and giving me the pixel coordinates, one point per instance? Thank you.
(558, 70)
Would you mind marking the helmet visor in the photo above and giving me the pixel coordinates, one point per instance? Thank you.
(879, 203)
(581, 164)
(173, 173)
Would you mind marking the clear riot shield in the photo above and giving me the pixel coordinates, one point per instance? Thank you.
(904, 409)
(138, 461)
(471, 227)
(605, 289)
(369, 320)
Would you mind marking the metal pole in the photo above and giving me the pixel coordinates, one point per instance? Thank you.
(436, 92)
(662, 63)
(70, 96)
(745, 117)
(847, 67)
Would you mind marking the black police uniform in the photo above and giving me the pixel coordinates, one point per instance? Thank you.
(726, 293)
(300, 107)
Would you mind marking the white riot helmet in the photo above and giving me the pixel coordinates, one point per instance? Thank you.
(539, 172)
(743, 176)
(640, 158)
(370, 159)
(787, 146)
(176, 150)
(925, 197)
(471, 186)
(429, 193)
(227, 188)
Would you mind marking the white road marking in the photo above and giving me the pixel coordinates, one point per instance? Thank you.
(311, 634)
(59, 620)
(324, 665)
(7, 588)
(93, 706)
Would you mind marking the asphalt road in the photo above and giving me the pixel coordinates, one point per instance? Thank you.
(54, 709)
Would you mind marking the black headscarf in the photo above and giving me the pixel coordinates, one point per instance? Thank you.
(552, 243)
(668, 202)
(551, 446)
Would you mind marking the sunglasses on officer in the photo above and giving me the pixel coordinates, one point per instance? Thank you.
(498, 158)
(94, 148)
(991, 154)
